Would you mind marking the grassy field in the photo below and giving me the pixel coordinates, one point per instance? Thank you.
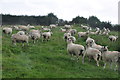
(50, 59)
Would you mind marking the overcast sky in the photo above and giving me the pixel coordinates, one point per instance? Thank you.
(105, 10)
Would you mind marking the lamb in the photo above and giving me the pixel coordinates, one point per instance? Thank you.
(7, 30)
(113, 38)
(72, 38)
(15, 28)
(75, 49)
(93, 53)
(46, 35)
(19, 38)
(89, 40)
(110, 56)
(66, 35)
(82, 34)
(21, 32)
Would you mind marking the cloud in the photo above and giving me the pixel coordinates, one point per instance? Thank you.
(105, 10)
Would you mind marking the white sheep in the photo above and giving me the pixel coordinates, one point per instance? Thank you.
(113, 38)
(52, 26)
(24, 28)
(85, 27)
(46, 36)
(94, 45)
(63, 30)
(93, 53)
(75, 49)
(72, 31)
(35, 37)
(89, 40)
(21, 32)
(16, 38)
(67, 27)
(110, 56)
(72, 38)
(66, 35)
(82, 34)
(7, 30)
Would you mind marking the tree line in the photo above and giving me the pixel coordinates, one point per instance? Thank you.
(92, 21)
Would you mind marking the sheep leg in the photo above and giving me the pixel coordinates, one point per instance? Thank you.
(83, 58)
(104, 65)
(111, 65)
(95, 58)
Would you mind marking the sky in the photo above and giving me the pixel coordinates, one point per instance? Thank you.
(105, 10)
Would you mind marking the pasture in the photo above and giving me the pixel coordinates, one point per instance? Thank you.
(49, 59)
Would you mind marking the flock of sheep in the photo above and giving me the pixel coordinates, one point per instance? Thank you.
(91, 50)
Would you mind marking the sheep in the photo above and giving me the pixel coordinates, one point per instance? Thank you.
(82, 34)
(46, 29)
(85, 27)
(31, 27)
(63, 30)
(66, 35)
(21, 32)
(7, 30)
(67, 27)
(113, 38)
(19, 38)
(15, 27)
(89, 40)
(72, 31)
(92, 53)
(46, 36)
(24, 28)
(110, 57)
(52, 26)
(72, 38)
(94, 45)
(75, 49)
(35, 36)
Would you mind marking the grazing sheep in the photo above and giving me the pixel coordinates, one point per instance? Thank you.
(15, 27)
(67, 27)
(46, 36)
(113, 38)
(66, 35)
(75, 49)
(89, 40)
(82, 34)
(93, 53)
(21, 32)
(85, 27)
(7, 30)
(63, 30)
(31, 27)
(46, 29)
(24, 28)
(72, 31)
(35, 36)
(72, 38)
(52, 26)
(110, 56)
(19, 38)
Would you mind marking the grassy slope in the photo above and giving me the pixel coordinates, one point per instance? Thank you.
(50, 59)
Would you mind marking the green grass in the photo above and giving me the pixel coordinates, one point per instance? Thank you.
(50, 59)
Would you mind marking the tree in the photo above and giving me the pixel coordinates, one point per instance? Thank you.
(93, 21)
(79, 20)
